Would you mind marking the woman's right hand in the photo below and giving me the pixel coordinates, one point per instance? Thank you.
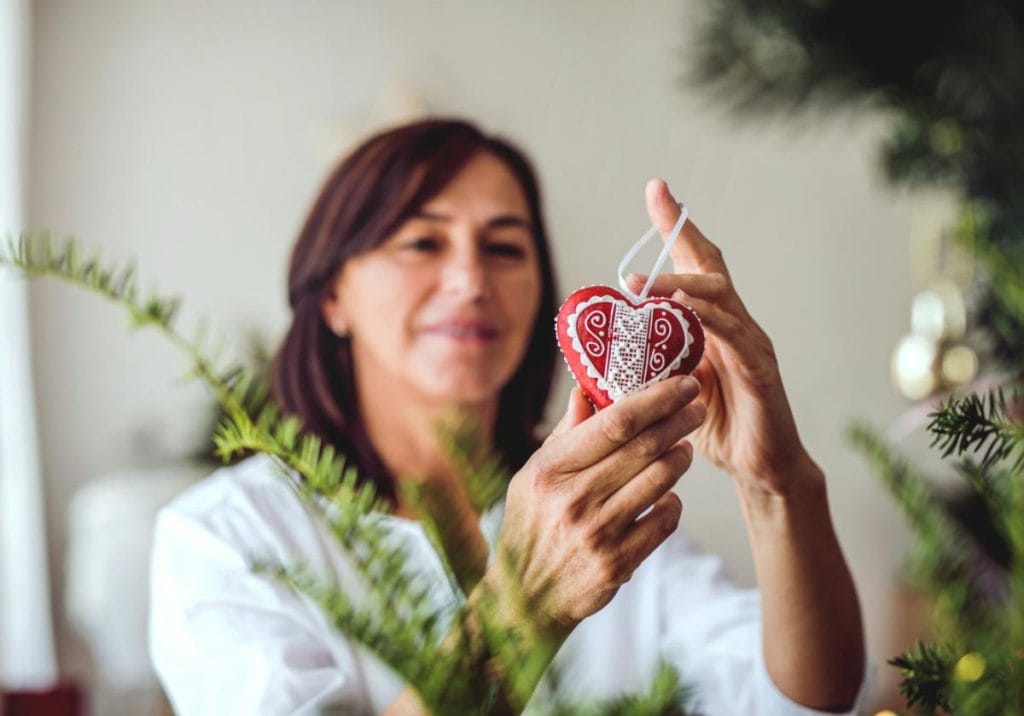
(572, 533)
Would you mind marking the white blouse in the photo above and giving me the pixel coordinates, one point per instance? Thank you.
(225, 640)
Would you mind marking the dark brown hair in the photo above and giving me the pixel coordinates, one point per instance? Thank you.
(368, 196)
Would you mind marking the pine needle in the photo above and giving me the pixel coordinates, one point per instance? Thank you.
(977, 423)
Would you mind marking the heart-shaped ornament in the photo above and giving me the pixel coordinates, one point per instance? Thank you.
(615, 347)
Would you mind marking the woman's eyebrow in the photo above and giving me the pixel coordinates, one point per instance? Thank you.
(504, 220)
(497, 222)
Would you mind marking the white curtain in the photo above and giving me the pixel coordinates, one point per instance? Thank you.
(26, 633)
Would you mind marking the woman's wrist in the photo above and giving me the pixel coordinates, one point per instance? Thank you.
(773, 494)
(507, 606)
(502, 642)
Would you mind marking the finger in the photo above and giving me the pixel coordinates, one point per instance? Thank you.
(618, 424)
(711, 297)
(750, 346)
(647, 533)
(735, 331)
(629, 501)
(693, 252)
(579, 409)
(708, 286)
(621, 466)
(705, 373)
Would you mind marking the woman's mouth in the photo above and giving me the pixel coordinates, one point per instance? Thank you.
(463, 331)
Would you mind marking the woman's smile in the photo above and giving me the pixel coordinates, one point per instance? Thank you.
(463, 331)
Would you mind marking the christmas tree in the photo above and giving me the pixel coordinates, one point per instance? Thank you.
(948, 75)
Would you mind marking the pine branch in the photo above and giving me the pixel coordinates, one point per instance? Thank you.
(327, 485)
(1014, 526)
(482, 470)
(399, 624)
(994, 488)
(667, 696)
(926, 673)
(990, 485)
(524, 665)
(486, 479)
(412, 649)
(349, 510)
(945, 558)
(977, 229)
(911, 490)
(976, 423)
(461, 577)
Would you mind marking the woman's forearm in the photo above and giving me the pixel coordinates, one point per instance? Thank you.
(813, 636)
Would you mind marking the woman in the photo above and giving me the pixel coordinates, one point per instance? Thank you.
(422, 280)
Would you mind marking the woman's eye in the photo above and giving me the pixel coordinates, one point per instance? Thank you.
(506, 250)
(423, 244)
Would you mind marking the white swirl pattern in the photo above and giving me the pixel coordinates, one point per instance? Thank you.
(593, 325)
(660, 328)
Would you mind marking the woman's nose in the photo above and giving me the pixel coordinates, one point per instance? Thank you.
(464, 276)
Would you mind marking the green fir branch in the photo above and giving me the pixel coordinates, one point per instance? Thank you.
(426, 512)
(977, 230)
(980, 424)
(509, 649)
(926, 672)
(412, 649)
(1013, 520)
(398, 621)
(990, 485)
(485, 476)
(993, 487)
(327, 486)
(667, 696)
(945, 557)
(918, 500)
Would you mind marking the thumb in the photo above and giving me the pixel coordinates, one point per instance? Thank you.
(579, 409)
(662, 207)
(663, 210)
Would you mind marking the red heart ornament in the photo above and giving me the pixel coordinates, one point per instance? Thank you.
(615, 347)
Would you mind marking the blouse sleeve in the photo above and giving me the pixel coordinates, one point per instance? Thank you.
(226, 640)
(711, 631)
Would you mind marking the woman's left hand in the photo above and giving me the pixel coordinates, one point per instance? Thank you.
(749, 430)
(811, 625)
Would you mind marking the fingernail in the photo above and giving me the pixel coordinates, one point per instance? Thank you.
(634, 278)
(689, 386)
(689, 445)
(670, 523)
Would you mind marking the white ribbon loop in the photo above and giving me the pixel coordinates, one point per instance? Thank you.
(662, 257)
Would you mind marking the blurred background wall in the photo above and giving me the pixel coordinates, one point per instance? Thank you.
(191, 137)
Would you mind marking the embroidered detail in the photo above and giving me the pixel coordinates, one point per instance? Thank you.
(625, 348)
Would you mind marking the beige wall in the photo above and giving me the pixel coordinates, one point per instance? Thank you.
(192, 135)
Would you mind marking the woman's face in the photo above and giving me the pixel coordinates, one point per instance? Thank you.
(445, 307)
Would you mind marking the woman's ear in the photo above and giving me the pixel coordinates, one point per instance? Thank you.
(333, 313)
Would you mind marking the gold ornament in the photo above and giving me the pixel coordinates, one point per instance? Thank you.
(913, 366)
(933, 356)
